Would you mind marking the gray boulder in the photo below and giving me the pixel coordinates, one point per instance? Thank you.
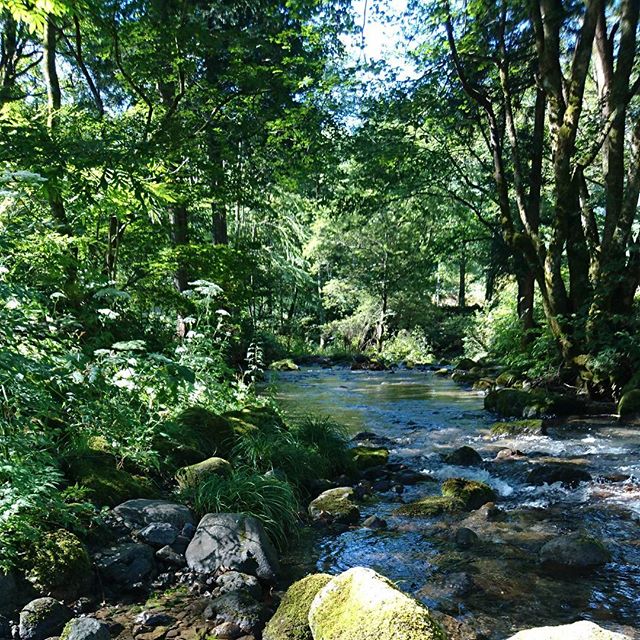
(234, 581)
(8, 592)
(464, 457)
(126, 565)
(168, 555)
(575, 551)
(139, 513)
(234, 541)
(43, 618)
(240, 609)
(85, 629)
(582, 630)
(158, 534)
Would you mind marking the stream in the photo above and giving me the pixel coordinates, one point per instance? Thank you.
(498, 586)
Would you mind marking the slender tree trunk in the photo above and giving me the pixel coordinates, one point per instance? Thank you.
(180, 237)
(462, 281)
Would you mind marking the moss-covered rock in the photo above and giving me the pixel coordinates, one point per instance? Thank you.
(192, 475)
(470, 493)
(43, 618)
(462, 376)
(509, 403)
(466, 364)
(291, 620)
(507, 379)
(533, 427)
(284, 365)
(195, 435)
(629, 404)
(464, 456)
(574, 552)
(458, 495)
(108, 484)
(85, 629)
(429, 506)
(335, 505)
(360, 604)
(59, 564)
(368, 457)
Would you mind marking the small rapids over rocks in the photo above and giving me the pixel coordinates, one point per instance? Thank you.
(493, 584)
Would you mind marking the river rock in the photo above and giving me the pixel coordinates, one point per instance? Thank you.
(234, 541)
(367, 457)
(335, 505)
(629, 405)
(374, 522)
(291, 620)
(463, 457)
(168, 555)
(8, 592)
(569, 475)
(360, 603)
(235, 581)
(85, 629)
(43, 618)
(240, 609)
(574, 551)
(158, 534)
(139, 513)
(5, 627)
(582, 630)
(126, 565)
(466, 538)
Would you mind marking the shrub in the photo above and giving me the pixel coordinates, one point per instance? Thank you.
(267, 498)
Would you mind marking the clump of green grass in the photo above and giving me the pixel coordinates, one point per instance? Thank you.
(267, 498)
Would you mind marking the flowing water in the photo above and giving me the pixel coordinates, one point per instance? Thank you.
(497, 586)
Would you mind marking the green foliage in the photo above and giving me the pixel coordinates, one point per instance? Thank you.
(409, 347)
(267, 498)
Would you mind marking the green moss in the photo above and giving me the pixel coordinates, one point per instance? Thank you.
(284, 365)
(518, 428)
(466, 364)
(470, 493)
(507, 379)
(629, 404)
(367, 457)
(335, 505)
(60, 559)
(362, 605)
(195, 435)
(194, 474)
(108, 484)
(291, 620)
(508, 402)
(430, 506)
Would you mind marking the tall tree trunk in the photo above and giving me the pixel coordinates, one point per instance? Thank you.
(54, 177)
(180, 237)
(462, 281)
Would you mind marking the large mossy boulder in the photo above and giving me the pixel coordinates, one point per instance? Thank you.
(629, 405)
(335, 506)
(458, 495)
(284, 365)
(517, 403)
(508, 403)
(193, 475)
(507, 379)
(466, 364)
(59, 565)
(291, 620)
(582, 630)
(471, 494)
(360, 604)
(515, 428)
(195, 435)
(368, 457)
(108, 483)
(43, 618)
(234, 541)
(574, 552)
